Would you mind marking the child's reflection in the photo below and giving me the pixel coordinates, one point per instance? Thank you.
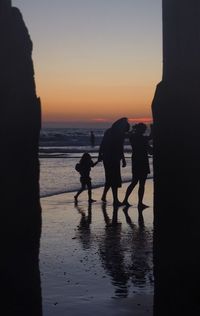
(84, 232)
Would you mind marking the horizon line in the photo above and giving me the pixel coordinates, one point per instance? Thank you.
(92, 123)
(97, 120)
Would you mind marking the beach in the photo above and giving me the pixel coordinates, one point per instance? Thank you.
(94, 260)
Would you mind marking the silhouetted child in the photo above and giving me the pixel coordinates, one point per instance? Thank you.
(84, 168)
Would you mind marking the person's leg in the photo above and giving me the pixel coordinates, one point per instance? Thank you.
(116, 202)
(80, 191)
(105, 191)
(108, 178)
(141, 189)
(130, 189)
(89, 185)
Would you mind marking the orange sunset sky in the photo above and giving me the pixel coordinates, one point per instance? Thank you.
(95, 60)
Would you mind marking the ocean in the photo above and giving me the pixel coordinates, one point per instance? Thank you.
(61, 148)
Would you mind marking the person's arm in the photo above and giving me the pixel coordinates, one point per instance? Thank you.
(100, 156)
(93, 164)
(122, 155)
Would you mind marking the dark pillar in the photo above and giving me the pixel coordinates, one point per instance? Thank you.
(19, 167)
(176, 114)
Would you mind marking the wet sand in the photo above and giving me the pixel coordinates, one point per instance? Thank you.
(96, 259)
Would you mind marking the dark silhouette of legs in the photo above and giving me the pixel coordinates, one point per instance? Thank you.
(114, 193)
(130, 189)
(116, 202)
(105, 214)
(105, 191)
(83, 187)
(79, 192)
(90, 200)
(141, 189)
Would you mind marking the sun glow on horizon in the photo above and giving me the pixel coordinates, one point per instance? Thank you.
(98, 60)
(93, 123)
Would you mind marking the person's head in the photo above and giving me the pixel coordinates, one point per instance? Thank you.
(121, 125)
(85, 158)
(140, 128)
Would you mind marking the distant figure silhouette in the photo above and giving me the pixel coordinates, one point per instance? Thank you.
(92, 139)
(84, 168)
(140, 162)
(111, 153)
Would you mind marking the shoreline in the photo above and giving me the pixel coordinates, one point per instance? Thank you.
(97, 186)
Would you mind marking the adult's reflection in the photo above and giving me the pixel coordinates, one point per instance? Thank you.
(141, 252)
(112, 253)
(105, 214)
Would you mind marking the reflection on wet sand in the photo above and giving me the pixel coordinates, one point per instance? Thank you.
(141, 257)
(125, 253)
(84, 232)
(112, 254)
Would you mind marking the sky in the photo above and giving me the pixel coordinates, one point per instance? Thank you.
(95, 60)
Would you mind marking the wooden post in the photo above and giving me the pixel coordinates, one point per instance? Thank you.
(176, 114)
(19, 167)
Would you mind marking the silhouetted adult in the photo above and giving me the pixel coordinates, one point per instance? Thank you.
(111, 153)
(140, 162)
